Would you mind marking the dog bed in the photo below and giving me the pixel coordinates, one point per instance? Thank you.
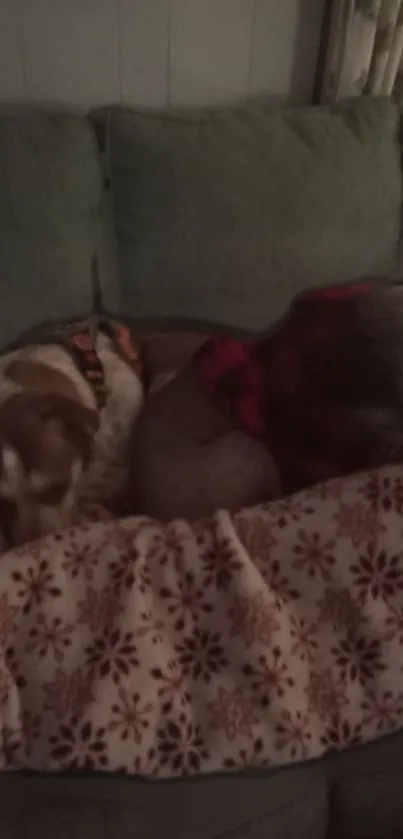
(261, 639)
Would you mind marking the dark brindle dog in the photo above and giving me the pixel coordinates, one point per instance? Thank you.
(245, 422)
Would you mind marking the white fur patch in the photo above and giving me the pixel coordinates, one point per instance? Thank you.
(12, 473)
(76, 471)
(105, 478)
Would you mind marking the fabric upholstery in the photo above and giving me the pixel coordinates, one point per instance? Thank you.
(368, 806)
(354, 794)
(52, 219)
(221, 217)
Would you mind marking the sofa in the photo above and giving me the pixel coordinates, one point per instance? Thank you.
(199, 220)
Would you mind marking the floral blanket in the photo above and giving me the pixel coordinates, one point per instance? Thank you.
(260, 639)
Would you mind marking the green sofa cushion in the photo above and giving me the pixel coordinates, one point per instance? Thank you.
(223, 216)
(51, 219)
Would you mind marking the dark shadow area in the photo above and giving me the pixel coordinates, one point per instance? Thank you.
(311, 15)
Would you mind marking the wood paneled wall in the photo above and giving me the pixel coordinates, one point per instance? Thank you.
(157, 52)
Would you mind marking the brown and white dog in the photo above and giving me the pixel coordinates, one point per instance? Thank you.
(186, 459)
(49, 416)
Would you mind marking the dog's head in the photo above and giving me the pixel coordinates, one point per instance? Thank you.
(45, 442)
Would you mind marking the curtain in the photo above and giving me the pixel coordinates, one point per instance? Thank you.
(364, 50)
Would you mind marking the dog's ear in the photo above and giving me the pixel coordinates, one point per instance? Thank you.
(67, 417)
(58, 406)
(73, 422)
(39, 429)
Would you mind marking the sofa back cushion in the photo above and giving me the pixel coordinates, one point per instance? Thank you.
(223, 216)
(52, 220)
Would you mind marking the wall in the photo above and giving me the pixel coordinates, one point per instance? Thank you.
(157, 52)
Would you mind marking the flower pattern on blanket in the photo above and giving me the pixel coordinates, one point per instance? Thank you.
(264, 638)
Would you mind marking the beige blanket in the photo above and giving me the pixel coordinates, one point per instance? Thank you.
(261, 639)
